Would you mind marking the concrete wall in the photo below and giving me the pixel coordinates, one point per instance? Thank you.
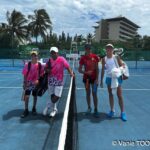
(114, 30)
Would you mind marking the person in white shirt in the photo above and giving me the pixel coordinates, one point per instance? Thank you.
(109, 65)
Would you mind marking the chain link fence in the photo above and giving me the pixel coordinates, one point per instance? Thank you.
(13, 57)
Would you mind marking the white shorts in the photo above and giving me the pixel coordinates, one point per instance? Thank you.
(57, 90)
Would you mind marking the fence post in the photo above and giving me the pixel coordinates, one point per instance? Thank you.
(136, 60)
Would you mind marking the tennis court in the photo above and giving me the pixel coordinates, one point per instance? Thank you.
(108, 134)
(34, 132)
(42, 133)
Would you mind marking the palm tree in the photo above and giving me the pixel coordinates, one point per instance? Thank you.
(40, 23)
(15, 27)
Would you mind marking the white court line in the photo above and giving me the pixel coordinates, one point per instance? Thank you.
(77, 74)
(10, 73)
(10, 87)
(140, 75)
(8, 78)
(19, 87)
(77, 88)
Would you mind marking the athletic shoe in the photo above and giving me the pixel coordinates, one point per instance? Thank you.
(53, 113)
(123, 116)
(111, 114)
(45, 111)
(88, 111)
(34, 111)
(25, 113)
(96, 114)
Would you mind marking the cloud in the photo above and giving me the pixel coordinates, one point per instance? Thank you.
(78, 16)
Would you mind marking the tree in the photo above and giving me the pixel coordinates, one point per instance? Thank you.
(89, 38)
(146, 43)
(68, 42)
(40, 24)
(63, 40)
(15, 27)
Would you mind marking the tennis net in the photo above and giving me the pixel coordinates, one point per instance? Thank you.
(63, 132)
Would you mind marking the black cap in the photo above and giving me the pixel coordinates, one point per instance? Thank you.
(87, 46)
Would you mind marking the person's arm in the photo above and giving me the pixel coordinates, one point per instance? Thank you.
(102, 72)
(24, 73)
(70, 71)
(67, 66)
(80, 69)
(120, 62)
(97, 71)
(97, 74)
(47, 67)
(24, 82)
(81, 63)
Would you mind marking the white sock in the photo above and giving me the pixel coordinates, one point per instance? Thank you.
(50, 104)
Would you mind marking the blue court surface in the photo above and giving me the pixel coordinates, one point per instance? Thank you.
(42, 133)
(110, 134)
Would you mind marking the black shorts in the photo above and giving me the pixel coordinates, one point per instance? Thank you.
(91, 81)
(28, 92)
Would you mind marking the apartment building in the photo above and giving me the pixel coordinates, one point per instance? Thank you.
(119, 28)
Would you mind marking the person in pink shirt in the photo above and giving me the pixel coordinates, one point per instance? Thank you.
(31, 72)
(55, 68)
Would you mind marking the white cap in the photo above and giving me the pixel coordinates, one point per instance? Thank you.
(109, 45)
(55, 49)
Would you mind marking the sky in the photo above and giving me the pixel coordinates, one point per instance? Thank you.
(78, 16)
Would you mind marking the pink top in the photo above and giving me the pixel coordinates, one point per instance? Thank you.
(57, 71)
(33, 74)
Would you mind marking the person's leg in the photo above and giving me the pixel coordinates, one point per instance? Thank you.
(121, 103)
(120, 98)
(26, 101)
(54, 98)
(34, 105)
(34, 101)
(111, 102)
(54, 101)
(111, 98)
(95, 100)
(88, 97)
(49, 104)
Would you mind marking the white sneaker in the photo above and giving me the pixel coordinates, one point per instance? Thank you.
(45, 111)
(53, 113)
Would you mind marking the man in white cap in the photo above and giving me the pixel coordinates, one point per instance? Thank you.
(55, 68)
(109, 63)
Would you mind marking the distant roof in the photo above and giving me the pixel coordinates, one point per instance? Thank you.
(95, 26)
(124, 19)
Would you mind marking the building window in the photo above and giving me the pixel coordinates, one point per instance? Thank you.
(130, 27)
(123, 33)
(127, 30)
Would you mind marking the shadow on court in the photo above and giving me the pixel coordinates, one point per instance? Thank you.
(12, 113)
(17, 113)
(102, 117)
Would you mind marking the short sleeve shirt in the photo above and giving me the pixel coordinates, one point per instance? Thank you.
(90, 63)
(56, 75)
(33, 73)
